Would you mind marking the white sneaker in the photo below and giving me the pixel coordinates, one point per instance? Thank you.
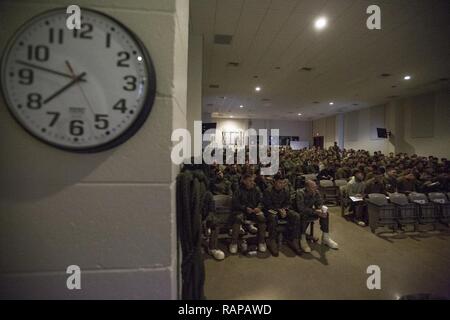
(361, 223)
(217, 254)
(326, 240)
(233, 248)
(262, 247)
(304, 245)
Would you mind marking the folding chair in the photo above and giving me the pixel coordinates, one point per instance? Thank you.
(442, 206)
(329, 191)
(406, 211)
(340, 185)
(344, 199)
(425, 209)
(311, 176)
(381, 212)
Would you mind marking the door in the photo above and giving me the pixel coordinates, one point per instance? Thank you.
(318, 142)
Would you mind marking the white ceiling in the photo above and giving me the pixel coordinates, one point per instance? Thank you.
(273, 39)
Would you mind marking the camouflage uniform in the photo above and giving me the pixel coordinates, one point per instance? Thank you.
(244, 198)
(275, 200)
(306, 203)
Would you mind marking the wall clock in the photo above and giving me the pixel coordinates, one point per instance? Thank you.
(84, 90)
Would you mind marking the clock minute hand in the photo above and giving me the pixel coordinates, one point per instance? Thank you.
(67, 86)
(31, 65)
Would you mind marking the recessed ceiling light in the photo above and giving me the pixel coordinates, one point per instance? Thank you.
(241, 106)
(407, 77)
(320, 23)
(299, 114)
(331, 103)
(258, 89)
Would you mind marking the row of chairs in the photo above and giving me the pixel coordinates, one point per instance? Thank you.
(331, 190)
(400, 210)
(223, 205)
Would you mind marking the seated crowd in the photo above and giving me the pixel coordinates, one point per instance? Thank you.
(266, 200)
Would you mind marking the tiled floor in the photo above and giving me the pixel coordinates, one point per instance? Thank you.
(409, 265)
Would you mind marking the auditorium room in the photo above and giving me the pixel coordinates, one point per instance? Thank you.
(363, 111)
(225, 150)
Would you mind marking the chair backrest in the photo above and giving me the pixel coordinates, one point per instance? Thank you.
(326, 183)
(437, 197)
(340, 182)
(378, 199)
(419, 198)
(222, 201)
(311, 176)
(398, 198)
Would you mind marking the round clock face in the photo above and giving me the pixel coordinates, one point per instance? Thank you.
(84, 90)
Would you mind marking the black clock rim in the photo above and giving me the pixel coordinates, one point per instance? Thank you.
(134, 127)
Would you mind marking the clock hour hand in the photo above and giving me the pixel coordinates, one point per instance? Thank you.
(67, 86)
(31, 65)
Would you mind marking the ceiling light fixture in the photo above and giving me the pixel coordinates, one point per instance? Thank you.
(299, 114)
(241, 106)
(407, 77)
(257, 89)
(331, 103)
(320, 23)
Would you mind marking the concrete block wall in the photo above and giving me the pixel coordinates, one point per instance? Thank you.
(111, 213)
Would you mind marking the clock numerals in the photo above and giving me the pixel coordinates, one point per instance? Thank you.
(131, 83)
(123, 61)
(108, 40)
(38, 53)
(76, 128)
(26, 76)
(121, 106)
(59, 34)
(101, 121)
(34, 101)
(55, 117)
(85, 31)
(61, 87)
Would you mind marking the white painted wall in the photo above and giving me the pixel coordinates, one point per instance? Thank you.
(111, 213)
(325, 127)
(407, 118)
(435, 106)
(302, 129)
(359, 132)
(194, 93)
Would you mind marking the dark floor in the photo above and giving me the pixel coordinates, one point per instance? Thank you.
(409, 265)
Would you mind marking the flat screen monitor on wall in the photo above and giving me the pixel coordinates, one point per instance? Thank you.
(382, 133)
